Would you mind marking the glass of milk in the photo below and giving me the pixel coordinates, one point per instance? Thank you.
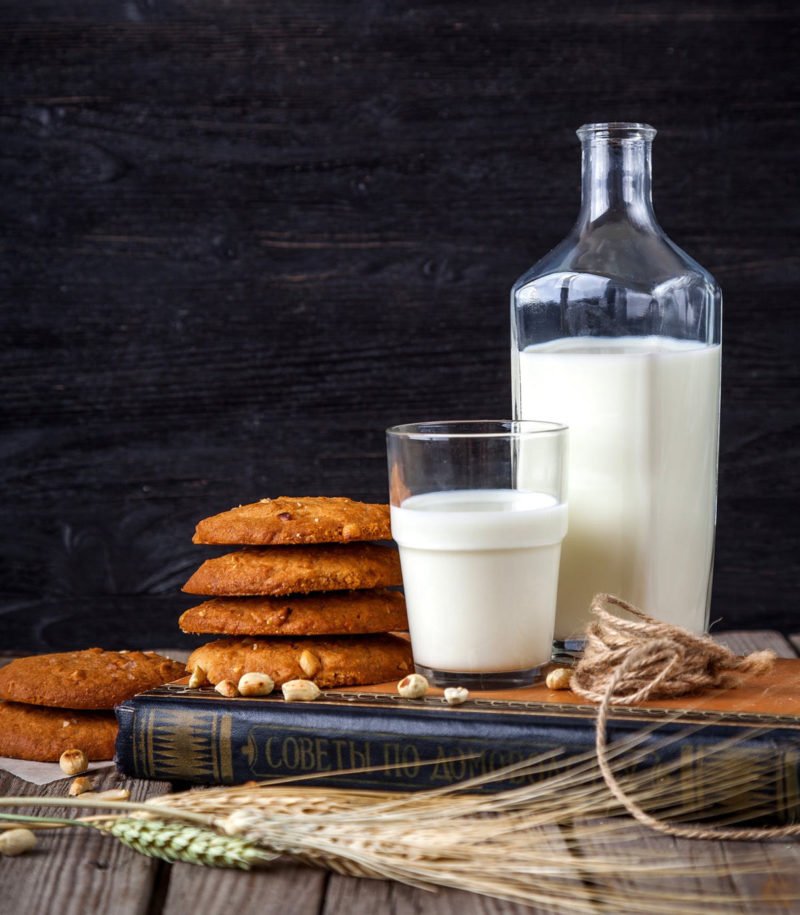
(479, 512)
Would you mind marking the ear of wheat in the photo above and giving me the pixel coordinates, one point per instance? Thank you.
(172, 840)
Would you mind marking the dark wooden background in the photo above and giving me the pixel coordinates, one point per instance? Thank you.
(240, 239)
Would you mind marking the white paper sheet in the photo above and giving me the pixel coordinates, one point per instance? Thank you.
(43, 773)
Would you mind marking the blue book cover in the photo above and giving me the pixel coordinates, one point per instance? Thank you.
(180, 734)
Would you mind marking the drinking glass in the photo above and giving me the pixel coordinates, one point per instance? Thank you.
(479, 512)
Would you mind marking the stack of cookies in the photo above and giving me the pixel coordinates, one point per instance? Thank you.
(58, 702)
(305, 598)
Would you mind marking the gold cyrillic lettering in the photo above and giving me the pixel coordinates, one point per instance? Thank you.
(323, 760)
(340, 746)
(359, 759)
(272, 761)
(290, 753)
(308, 758)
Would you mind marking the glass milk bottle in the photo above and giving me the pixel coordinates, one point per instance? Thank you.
(616, 333)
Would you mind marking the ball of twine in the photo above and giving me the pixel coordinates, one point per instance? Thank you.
(630, 661)
(669, 661)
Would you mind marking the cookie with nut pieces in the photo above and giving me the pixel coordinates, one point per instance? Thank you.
(287, 520)
(277, 571)
(346, 661)
(43, 734)
(333, 612)
(88, 679)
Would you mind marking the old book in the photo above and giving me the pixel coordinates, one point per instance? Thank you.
(195, 735)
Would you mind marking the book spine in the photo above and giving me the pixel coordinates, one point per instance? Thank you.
(206, 742)
(201, 743)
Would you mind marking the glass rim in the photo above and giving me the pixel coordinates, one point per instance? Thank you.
(462, 428)
(617, 130)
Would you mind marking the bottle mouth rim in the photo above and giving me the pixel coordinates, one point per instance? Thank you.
(616, 131)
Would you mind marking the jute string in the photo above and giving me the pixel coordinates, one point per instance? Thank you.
(630, 661)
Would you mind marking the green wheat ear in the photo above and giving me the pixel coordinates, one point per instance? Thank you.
(176, 841)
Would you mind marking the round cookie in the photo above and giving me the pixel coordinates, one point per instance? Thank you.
(336, 612)
(42, 734)
(286, 520)
(89, 679)
(276, 571)
(346, 661)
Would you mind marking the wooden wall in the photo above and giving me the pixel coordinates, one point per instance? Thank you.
(240, 239)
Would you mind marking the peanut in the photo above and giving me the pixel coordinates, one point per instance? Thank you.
(309, 663)
(414, 686)
(16, 842)
(114, 794)
(300, 691)
(73, 762)
(455, 695)
(254, 684)
(198, 678)
(79, 785)
(227, 688)
(559, 678)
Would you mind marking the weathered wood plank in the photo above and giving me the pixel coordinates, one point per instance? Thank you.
(775, 887)
(76, 871)
(746, 641)
(273, 891)
(348, 895)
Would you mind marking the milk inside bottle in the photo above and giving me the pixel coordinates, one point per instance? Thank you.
(642, 470)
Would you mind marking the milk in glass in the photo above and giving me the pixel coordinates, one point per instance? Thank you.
(480, 572)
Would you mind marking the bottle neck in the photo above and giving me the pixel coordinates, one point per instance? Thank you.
(616, 180)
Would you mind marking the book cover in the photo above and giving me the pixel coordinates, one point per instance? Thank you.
(195, 735)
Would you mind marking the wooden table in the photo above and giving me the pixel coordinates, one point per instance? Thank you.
(83, 872)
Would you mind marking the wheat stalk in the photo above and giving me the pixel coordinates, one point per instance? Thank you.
(170, 840)
(500, 844)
